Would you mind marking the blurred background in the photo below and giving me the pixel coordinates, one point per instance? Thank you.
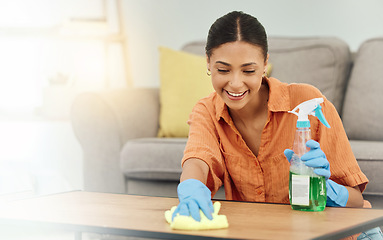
(52, 50)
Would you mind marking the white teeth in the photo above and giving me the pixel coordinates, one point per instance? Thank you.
(235, 94)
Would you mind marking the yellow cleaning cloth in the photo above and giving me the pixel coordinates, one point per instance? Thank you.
(188, 223)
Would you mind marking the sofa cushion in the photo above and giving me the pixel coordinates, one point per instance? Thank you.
(153, 158)
(362, 113)
(370, 158)
(155, 187)
(322, 62)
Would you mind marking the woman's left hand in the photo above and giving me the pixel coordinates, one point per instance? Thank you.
(316, 159)
(337, 195)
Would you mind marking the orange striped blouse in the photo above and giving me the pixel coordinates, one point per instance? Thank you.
(214, 139)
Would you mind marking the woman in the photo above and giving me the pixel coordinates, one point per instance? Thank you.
(240, 135)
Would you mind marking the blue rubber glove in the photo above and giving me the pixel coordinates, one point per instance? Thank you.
(316, 159)
(193, 196)
(288, 154)
(337, 195)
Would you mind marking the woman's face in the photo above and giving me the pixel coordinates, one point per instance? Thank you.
(236, 73)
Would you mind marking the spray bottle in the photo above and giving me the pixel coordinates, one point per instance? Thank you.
(307, 190)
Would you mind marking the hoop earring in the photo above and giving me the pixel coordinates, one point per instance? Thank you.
(208, 72)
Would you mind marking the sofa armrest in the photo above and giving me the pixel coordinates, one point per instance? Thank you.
(103, 122)
(369, 155)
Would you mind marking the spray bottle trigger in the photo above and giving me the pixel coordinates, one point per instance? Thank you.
(319, 115)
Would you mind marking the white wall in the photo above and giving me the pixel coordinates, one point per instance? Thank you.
(36, 137)
(172, 23)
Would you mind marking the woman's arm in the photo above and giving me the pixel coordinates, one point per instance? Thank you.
(195, 168)
(355, 198)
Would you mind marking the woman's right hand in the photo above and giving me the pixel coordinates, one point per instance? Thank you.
(194, 196)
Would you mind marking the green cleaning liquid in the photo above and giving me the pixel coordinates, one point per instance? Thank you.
(307, 193)
(307, 190)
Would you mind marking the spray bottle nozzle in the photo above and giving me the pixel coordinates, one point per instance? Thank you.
(310, 107)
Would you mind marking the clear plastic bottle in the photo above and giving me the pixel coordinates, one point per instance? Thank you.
(307, 190)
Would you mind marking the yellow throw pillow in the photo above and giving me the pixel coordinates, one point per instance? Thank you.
(269, 69)
(183, 81)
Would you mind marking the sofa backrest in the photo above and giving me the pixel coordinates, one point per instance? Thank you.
(363, 111)
(322, 62)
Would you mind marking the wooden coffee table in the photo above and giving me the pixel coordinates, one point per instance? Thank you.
(143, 216)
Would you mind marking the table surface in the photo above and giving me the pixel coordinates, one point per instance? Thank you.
(144, 216)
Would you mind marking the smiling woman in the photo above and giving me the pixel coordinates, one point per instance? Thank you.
(240, 134)
(237, 58)
(239, 76)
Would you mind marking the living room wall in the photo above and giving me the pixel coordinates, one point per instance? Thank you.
(50, 144)
(172, 23)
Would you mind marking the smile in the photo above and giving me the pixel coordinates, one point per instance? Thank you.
(236, 96)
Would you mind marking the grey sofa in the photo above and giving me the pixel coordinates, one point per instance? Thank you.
(122, 154)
